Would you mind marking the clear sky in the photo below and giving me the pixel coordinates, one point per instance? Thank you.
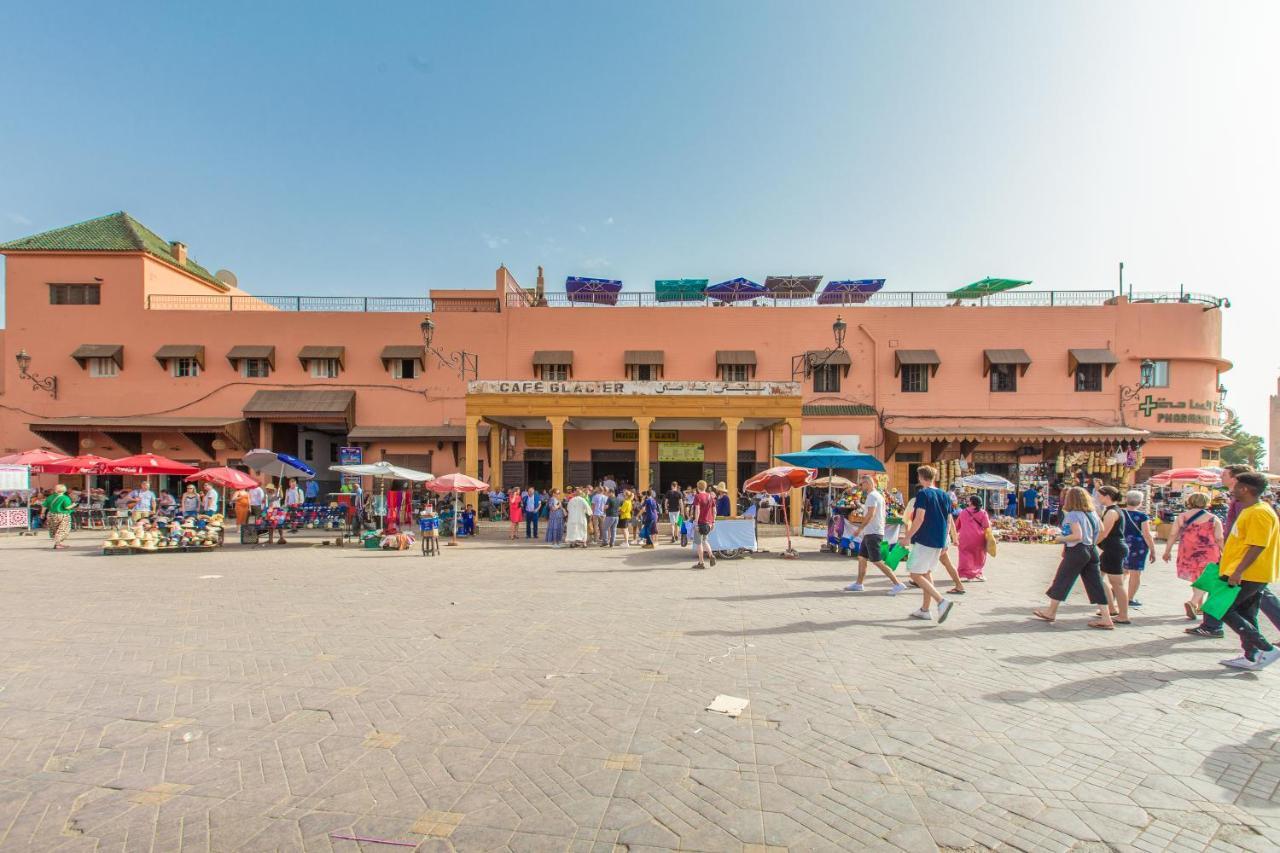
(384, 148)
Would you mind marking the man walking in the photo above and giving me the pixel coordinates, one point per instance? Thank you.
(532, 504)
(611, 504)
(870, 526)
(932, 527)
(1210, 626)
(673, 499)
(704, 518)
(1251, 561)
(598, 500)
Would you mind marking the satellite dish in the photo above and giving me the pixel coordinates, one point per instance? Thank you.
(227, 277)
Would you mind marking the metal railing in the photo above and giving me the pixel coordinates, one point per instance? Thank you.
(883, 299)
(1183, 297)
(347, 304)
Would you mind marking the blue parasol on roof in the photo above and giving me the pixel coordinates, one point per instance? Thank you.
(593, 291)
(849, 292)
(735, 290)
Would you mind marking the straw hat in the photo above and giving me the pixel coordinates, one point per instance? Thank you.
(721, 487)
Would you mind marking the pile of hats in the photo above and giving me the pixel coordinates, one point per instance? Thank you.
(190, 537)
(120, 540)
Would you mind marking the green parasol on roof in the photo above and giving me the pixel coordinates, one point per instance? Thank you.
(680, 289)
(986, 287)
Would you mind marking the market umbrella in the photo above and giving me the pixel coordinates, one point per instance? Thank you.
(779, 481)
(679, 289)
(456, 483)
(227, 478)
(792, 286)
(990, 482)
(986, 287)
(384, 470)
(36, 460)
(145, 464)
(849, 291)
(832, 459)
(87, 464)
(595, 291)
(280, 464)
(735, 290)
(1203, 476)
(835, 482)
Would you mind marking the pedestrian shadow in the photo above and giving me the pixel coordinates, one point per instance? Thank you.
(981, 629)
(1149, 649)
(830, 578)
(1112, 685)
(1240, 768)
(807, 626)
(774, 596)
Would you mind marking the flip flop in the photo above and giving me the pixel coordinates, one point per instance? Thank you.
(1121, 622)
(1039, 615)
(956, 592)
(1102, 626)
(1190, 609)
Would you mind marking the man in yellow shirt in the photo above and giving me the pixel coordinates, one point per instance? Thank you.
(1251, 560)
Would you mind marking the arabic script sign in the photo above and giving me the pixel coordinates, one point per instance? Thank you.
(663, 388)
(1204, 412)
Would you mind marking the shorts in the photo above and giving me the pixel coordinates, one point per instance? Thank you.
(1112, 560)
(673, 517)
(871, 547)
(699, 533)
(923, 560)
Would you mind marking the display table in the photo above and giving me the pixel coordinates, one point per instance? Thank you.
(731, 534)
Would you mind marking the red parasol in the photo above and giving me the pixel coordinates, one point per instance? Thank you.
(145, 464)
(87, 463)
(1203, 476)
(228, 478)
(456, 483)
(35, 459)
(779, 481)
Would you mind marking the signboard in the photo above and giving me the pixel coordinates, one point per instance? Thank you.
(623, 435)
(1202, 412)
(657, 388)
(351, 456)
(15, 478)
(537, 438)
(680, 451)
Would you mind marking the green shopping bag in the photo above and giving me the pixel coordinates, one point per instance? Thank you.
(895, 556)
(1209, 579)
(1220, 600)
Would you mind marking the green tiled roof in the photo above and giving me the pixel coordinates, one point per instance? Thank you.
(854, 410)
(115, 232)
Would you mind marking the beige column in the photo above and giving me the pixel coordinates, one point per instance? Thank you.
(731, 461)
(495, 458)
(473, 457)
(797, 495)
(775, 443)
(642, 451)
(557, 450)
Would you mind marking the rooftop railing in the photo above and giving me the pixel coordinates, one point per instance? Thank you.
(349, 304)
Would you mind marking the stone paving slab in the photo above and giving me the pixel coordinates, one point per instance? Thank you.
(506, 697)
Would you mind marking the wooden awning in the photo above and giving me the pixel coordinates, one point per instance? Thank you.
(1077, 357)
(927, 357)
(642, 356)
(127, 431)
(735, 356)
(314, 353)
(84, 352)
(298, 406)
(407, 352)
(169, 352)
(552, 356)
(1005, 356)
(445, 432)
(239, 353)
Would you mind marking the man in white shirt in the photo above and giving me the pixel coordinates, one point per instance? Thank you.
(257, 499)
(143, 499)
(209, 500)
(870, 526)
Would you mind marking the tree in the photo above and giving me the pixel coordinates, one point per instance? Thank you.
(1245, 448)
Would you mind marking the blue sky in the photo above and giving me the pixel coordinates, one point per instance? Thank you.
(389, 148)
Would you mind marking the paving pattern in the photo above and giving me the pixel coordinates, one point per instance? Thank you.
(508, 698)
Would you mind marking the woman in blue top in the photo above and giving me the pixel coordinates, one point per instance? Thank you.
(1079, 559)
(1142, 547)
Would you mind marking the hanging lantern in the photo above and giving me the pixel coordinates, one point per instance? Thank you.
(1060, 466)
(86, 443)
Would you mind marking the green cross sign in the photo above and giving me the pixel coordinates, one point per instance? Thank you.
(1147, 406)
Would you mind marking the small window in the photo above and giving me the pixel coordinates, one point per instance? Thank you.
(826, 377)
(75, 294)
(333, 452)
(644, 372)
(324, 368)
(553, 372)
(1004, 377)
(255, 368)
(733, 372)
(184, 368)
(404, 368)
(308, 449)
(915, 378)
(1156, 374)
(1089, 377)
(1209, 454)
(102, 368)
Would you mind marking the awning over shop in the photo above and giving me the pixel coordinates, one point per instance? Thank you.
(413, 433)
(409, 353)
(239, 353)
(84, 352)
(972, 429)
(735, 356)
(1077, 357)
(127, 431)
(303, 406)
(928, 357)
(1005, 356)
(169, 352)
(643, 356)
(315, 353)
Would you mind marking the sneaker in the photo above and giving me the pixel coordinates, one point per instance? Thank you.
(698, 566)
(1241, 662)
(1133, 602)
(944, 610)
(713, 559)
(897, 588)
(1202, 631)
(853, 587)
(1265, 659)
(922, 614)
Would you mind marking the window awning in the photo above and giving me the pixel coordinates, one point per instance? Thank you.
(1005, 356)
(823, 357)
(927, 357)
(643, 356)
(84, 352)
(408, 352)
(1077, 357)
(444, 432)
(238, 353)
(552, 356)
(172, 351)
(303, 406)
(204, 433)
(315, 353)
(735, 356)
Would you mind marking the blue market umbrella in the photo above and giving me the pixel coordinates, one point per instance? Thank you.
(279, 464)
(735, 290)
(831, 459)
(849, 292)
(596, 291)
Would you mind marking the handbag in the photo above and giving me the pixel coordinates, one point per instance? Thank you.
(991, 542)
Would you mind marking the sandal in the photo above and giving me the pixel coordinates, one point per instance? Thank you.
(1040, 614)
(956, 591)
(1190, 609)
(1102, 626)
(1121, 621)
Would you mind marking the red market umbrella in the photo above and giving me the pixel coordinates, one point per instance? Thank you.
(87, 463)
(228, 478)
(1203, 476)
(35, 459)
(779, 481)
(145, 464)
(456, 483)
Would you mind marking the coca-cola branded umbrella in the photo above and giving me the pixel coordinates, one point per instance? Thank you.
(779, 481)
(36, 460)
(147, 464)
(227, 478)
(456, 483)
(87, 464)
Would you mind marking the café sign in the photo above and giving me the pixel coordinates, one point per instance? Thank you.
(680, 451)
(659, 388)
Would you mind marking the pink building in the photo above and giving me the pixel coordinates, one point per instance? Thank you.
(151, 352)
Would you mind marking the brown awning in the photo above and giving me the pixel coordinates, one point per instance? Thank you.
(415, 353)
(302, 406)
(928, 357)
(552, 356)
(412, 433)
(735, 356)
(1077, 357)
(642, 356)
(313, 353)
(171, 351)
(202, 431)
(821, 357)
(238, 353)
(1005, 356)
(84, 352)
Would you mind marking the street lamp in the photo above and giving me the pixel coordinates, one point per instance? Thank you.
(49, 384)
(466, 363)
(1146, 378)
(801, 364)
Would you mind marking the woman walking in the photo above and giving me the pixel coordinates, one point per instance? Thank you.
(1114, 553)
(973, 524)
(240, 500)
(1079, 559)
(1198, 534)
(57, 515)
(515, 511)
(575, 531)
(1142, 546)
(555, 519)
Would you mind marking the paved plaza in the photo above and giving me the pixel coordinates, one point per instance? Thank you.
(504, 697)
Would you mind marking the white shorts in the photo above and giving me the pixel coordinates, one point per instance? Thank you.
(672, 517)
(923, 560)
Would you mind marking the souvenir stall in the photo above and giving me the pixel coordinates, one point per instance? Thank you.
(159, 534)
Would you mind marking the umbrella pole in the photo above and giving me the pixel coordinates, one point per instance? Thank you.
(453, 540)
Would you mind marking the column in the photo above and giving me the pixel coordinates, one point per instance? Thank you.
(642, 451)
(796, 512)
(495, 458)
(731, 461)
(775, 443)
(473, 457)
(557, 450)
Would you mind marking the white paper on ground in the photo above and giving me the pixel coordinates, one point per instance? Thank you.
(730, 706)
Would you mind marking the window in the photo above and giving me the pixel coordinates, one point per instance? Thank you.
(324, 368)
(102, 368)
(1210, 454)
(1004, 377)
(1089, 377)
(308, 449)
(1157, 375)
(915, 378)
(75, 294)
(826, 377)
(184, 368)
(404, 368)
(644, 372)
(255, 368)
(733, 372)
(333, 452)
(553, 372)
